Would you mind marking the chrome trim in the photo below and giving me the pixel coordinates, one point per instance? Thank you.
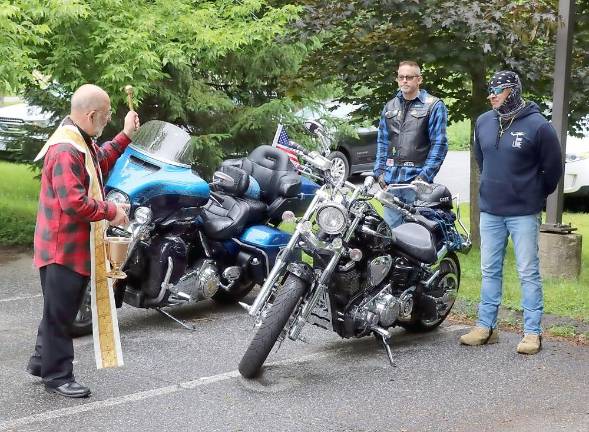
(266, 289)
(159, 159)
(246, 246)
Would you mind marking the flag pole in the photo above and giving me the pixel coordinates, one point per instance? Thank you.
(277, 134)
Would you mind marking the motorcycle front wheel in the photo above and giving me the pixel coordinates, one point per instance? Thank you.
(276, 317)
(82, 324)
(445, 290)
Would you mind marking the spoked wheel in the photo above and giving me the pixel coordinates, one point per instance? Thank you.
(276, 317)
(444, 290)
(82, 325)
(340, 167)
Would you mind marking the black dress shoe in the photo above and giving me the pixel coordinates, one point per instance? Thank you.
(34, 366)
(70, 389)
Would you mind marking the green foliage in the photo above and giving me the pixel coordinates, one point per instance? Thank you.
(19, 193)
(458, 135)
(459, 45)
(25, 26)
(562, 330)
(225, 70)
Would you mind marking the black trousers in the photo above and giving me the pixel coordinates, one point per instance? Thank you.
(63, 290)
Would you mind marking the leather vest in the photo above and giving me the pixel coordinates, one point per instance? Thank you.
(409, 142)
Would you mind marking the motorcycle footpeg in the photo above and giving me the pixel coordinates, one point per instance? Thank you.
(245, 306)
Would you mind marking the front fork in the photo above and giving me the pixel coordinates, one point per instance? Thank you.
(266, 290)
(320, 285)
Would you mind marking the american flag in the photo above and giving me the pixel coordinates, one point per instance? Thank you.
(282, 142)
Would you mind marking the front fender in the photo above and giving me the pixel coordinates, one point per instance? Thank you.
(301, 270)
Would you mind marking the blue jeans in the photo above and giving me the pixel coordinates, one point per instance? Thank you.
(524, 233)
(394, 217)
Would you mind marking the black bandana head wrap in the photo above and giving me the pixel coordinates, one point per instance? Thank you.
(514, 102)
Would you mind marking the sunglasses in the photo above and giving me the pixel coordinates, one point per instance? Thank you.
(406, 77)
(496, 90)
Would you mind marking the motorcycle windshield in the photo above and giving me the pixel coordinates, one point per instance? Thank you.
(165, 142)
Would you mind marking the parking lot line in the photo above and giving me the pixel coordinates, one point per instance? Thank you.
(11, 299)
(162, 391)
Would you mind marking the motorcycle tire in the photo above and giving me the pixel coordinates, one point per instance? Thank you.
(450, 266)
(230, 297)
(82, 324)
(272, 324)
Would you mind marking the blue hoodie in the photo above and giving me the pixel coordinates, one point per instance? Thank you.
(519, 169)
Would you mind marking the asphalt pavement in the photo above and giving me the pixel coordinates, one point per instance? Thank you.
(178, 380)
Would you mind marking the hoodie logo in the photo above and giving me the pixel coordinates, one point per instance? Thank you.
(517, 142)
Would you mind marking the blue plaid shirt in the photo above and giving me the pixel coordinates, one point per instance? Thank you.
(439, 147)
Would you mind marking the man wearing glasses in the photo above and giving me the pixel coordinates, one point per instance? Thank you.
(71, 204)
(519, 158)
(411, 143)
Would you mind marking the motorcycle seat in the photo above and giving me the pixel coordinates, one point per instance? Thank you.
(226, 216)
(415, 241)
(275, 174)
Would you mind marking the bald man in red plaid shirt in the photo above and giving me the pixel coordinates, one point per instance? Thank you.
(62, 235)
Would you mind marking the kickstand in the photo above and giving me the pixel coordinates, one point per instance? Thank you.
(388, 349)
(173, 318)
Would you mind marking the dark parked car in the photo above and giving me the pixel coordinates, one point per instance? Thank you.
(350, 155)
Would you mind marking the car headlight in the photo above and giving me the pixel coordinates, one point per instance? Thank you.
(117, 197)
(332, 218)
(143, 215)
(574, 157)
(40, 123)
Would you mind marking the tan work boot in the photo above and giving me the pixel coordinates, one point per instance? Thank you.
(480, 336)
(530, 344)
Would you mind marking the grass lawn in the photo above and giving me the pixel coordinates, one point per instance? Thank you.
(19, 194)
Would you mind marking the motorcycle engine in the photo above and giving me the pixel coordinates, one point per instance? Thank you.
(201, 283)
(384, 305)
(381, 310)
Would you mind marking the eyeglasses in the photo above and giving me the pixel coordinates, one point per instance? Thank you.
(406, 77)
(108, 112)
(496, 90)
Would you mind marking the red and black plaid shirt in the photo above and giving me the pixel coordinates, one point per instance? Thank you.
(62, 234)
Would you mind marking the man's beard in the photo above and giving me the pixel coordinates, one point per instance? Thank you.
(99, 131)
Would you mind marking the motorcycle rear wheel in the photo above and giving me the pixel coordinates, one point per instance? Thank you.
(277, 316)
(450, 275)
(82, 324)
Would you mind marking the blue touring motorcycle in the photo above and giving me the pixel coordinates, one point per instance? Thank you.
(191, 240)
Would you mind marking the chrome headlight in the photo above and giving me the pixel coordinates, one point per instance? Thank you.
(143, 215)
(332, 218)
(117, 197)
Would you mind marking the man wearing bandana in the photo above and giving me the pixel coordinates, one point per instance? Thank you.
(519, 158)
(411, 143)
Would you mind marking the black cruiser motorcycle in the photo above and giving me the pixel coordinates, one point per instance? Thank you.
(364, 278)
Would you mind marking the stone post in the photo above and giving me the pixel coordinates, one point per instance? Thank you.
(560, 255)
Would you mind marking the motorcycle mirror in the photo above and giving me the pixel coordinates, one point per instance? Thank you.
(313, 127)
(224, 179)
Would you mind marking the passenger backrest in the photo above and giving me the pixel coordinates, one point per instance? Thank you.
(274, 172)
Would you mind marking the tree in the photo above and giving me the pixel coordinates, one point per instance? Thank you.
(459, 44)
(222, 69)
